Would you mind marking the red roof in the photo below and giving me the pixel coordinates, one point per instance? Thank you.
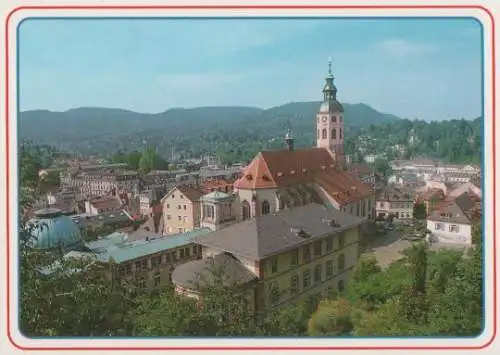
(271, 169)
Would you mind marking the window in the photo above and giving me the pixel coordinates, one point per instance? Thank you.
(142, 282)
(306, 279)
(317, 274)
(179, 218)
(274, 265)
(340, 285)
(187, 251)
(167, 258)
(317, 248)
(341, 262)
(185, 218)
(306, 254)
(185, 207)
(174, 255)
(178, 207)
(156, 261)
(156, 279)
(341, 240)
(453, 228)
(294, 284)
(144, 265)
(329, 244)
(180, 230)
(137, 266)
(181, 253)
(182, 197)
(173, 197)
(329, 269)
(334, 119)
(324, 134)
(334, 133)
(128, 268)
(168, 205)
(266, 208)
(439, 226)
(294, 258)
(340, 133)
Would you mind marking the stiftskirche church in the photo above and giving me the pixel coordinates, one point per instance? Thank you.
(281, 179)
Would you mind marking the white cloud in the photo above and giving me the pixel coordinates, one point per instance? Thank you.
(402, 48)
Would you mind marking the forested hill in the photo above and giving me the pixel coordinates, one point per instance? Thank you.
(192, 131)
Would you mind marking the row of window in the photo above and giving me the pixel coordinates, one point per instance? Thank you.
(141, 283)
(324, 133)
(455, 228)
(179, 207)
(317, 251)
(321, 272)
(334, 119)
(179, 218)
(159, 260)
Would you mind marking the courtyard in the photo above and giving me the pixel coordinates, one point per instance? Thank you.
(389, 247)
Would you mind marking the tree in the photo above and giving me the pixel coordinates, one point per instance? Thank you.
(331, 318)
(419, 210)
(382, 166)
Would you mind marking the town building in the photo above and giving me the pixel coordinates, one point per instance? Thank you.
(144, 264)
(218, 210)
(452, 220)
(395, 202)
(468, 187)
(211, 185)
(181, 209)
(95, 181)
(281, 257)
(430, 198)
(280, 179)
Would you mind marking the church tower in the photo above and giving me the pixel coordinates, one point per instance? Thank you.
(330, 121)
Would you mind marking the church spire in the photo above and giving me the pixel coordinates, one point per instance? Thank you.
(289, 140)
(329, 90)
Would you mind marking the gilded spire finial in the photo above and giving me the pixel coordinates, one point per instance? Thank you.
(330, 65)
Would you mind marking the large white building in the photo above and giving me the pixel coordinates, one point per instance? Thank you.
(452, 221)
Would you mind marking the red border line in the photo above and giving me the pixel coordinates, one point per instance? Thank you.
(246, 7)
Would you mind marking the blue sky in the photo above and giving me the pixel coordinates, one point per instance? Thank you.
(413, 68)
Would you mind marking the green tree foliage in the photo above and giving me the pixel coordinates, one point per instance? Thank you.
(332, 318)
(419, 210)
(426, 293)
(382, 166)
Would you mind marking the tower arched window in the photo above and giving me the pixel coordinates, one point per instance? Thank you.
(334, 119)
(340, 133)
(266, 207)
(334, 133)
(324, 134)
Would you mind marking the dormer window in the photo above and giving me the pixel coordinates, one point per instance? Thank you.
(265, 178)
(248, 176)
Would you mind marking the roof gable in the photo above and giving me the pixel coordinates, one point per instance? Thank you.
(271, 169)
